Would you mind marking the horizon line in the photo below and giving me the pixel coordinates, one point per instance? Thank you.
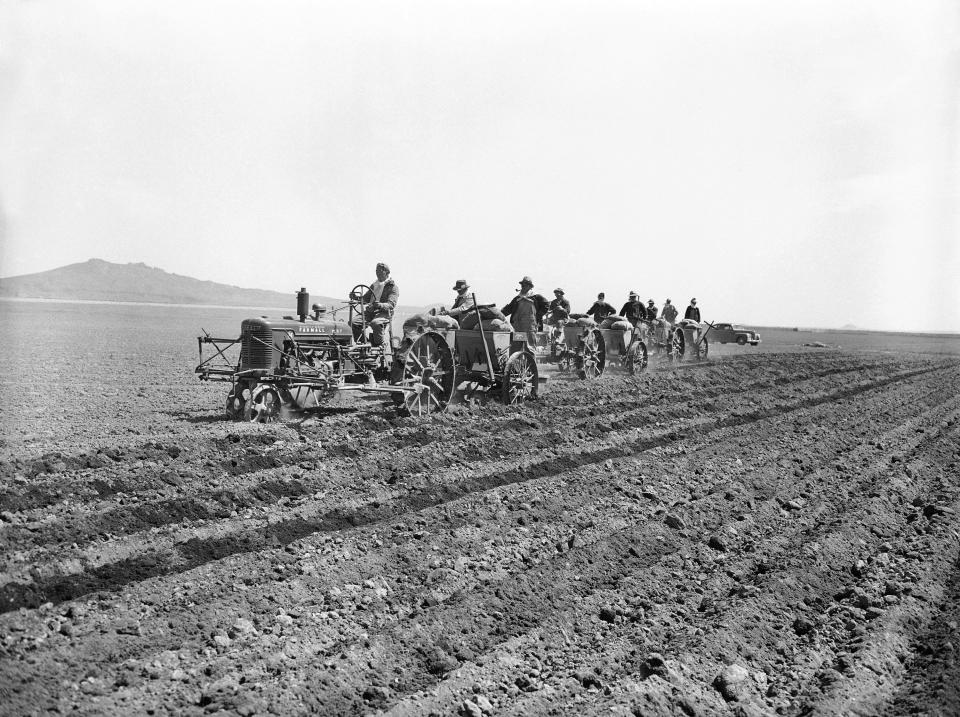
(944, 334)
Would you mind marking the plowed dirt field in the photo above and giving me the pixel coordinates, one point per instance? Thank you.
(768, 532)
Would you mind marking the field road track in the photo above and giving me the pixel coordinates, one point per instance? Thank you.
(757, 534)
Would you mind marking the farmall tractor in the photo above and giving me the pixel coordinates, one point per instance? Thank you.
(300, 362)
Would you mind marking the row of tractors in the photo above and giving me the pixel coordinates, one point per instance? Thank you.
(299, 363)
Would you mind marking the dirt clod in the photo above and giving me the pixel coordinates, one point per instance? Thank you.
(732, 683)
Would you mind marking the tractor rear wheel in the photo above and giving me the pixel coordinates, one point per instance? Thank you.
(425, 367)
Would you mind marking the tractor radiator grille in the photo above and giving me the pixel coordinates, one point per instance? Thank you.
(256, 346)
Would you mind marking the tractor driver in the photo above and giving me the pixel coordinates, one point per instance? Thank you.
(378, 305)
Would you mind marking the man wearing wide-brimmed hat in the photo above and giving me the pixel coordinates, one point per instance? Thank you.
(526, 311)
(652, 310)
(559, 308)
(463, 303)
(693, 311)
(633, 310)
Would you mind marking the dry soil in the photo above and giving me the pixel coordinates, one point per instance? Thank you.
(762, 533)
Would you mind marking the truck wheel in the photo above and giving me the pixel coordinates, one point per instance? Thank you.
(741, 341)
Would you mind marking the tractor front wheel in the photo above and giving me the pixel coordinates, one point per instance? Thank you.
(237, 401)
(592, 355)
(264, 405)
(703, 348)
(636, 360)
(677, 345)
(520, 379)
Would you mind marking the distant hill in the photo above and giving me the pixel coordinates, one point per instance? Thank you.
(98, 280)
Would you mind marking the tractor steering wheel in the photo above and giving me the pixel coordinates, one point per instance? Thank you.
(355, 297)
(357, 293)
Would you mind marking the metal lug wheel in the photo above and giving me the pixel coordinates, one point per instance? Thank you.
(520, 378)
(559, 354)
(264, 405)
(425, 366)
(636, 360)
(677, 345)
(593, 355)
(237, 401)
(662, 340)
(703, 348)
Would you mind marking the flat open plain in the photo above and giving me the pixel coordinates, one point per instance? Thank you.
(772, 531)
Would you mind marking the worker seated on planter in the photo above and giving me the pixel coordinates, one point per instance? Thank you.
(378, 305)
(633, 310)
(559, 310)
(463, 304)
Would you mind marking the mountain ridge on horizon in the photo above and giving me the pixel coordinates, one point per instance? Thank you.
(136, 282)
(100, 280)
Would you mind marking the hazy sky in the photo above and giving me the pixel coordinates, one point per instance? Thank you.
(788, 163)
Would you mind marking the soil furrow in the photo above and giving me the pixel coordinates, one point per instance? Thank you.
(443, 621)
(716, 613)
(129, 519)
(112, 576)
(165, 473)
(608, 549)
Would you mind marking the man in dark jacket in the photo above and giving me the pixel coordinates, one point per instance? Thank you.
(559, 308)
(633, 310)
(651, 310)
(600, 309)
(692, 311)
(378, 305)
